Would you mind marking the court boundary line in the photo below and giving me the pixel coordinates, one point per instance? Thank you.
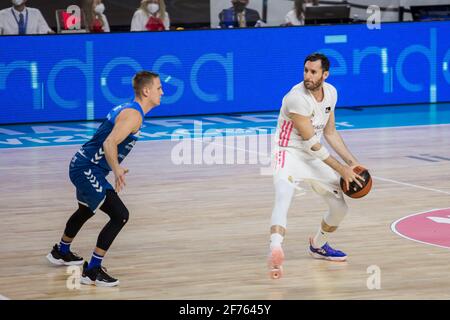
(398, 127)
(190, 138)
(411, 185)
(265, 155)
(375, 177)
(2, 297)
(394, 229)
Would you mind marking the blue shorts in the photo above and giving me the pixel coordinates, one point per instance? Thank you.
(90, 182)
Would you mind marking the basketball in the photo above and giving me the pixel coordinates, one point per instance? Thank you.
(356, 191)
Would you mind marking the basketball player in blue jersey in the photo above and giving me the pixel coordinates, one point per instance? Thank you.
(89, 167)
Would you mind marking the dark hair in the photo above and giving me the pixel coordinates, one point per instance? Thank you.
(141, 79)
(319, 56)
(298, 6)
(299, 9)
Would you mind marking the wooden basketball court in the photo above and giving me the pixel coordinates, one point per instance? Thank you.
(202, 231)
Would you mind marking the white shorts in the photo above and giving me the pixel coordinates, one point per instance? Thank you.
(296, 166)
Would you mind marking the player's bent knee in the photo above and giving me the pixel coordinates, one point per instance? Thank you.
(125, 216)
(115, 209)
(334, 218)
(119, 216)
(342, 209)
(77, 220)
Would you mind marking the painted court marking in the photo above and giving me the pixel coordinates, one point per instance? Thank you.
(412, 185)
(374, 177)
(428, 227)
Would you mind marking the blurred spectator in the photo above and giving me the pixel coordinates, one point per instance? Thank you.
(361, 14)
(239, 16)
(20, 19)
(96, 21)
(296, 17)
(151, 16)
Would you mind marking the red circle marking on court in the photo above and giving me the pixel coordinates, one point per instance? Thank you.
(431, 227)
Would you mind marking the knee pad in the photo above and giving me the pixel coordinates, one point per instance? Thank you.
(77, 220)
(125, 216)
(115, 208)
(120, 216)
(337, 212)
(323, 189)
(318, 188)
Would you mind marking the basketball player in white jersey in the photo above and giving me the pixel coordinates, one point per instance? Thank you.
(306, 114)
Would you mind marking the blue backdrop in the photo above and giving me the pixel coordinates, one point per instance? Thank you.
(78, 77)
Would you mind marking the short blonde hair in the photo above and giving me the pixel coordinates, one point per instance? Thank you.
(142, 79)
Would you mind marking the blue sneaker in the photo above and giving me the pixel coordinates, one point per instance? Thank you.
(326, 252)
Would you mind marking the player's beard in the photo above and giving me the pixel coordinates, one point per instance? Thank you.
(313, 86)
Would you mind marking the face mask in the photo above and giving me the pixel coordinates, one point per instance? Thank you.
(239, 6)
(17, 2)
(100, 8)
(153, 7)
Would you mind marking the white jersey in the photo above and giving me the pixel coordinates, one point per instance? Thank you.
(300, 100)
(292, 163)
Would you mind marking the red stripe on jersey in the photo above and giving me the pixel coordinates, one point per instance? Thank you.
(280, 138)
(288, 133)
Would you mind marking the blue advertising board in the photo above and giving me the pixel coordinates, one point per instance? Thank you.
(81, 77)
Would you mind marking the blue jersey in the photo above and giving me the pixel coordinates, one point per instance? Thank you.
(92, 151)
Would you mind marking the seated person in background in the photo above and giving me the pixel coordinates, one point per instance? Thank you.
(19, 19)
(96, 21)
(239, 16)
(151, 16)
(296, 17)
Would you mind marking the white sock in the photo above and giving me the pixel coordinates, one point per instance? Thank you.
(321, 238)
(276, 240)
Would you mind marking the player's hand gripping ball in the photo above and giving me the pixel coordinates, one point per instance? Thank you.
(355, 191)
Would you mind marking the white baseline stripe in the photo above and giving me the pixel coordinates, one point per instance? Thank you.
(412, 185)
(168, 139)
(2, 297)
(265, 155)
(396, 127)
(377, 178)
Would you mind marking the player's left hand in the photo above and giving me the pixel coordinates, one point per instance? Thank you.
(349, 175)
(120, 178)
(358, 176)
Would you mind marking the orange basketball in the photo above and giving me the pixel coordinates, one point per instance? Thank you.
(356, 191)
